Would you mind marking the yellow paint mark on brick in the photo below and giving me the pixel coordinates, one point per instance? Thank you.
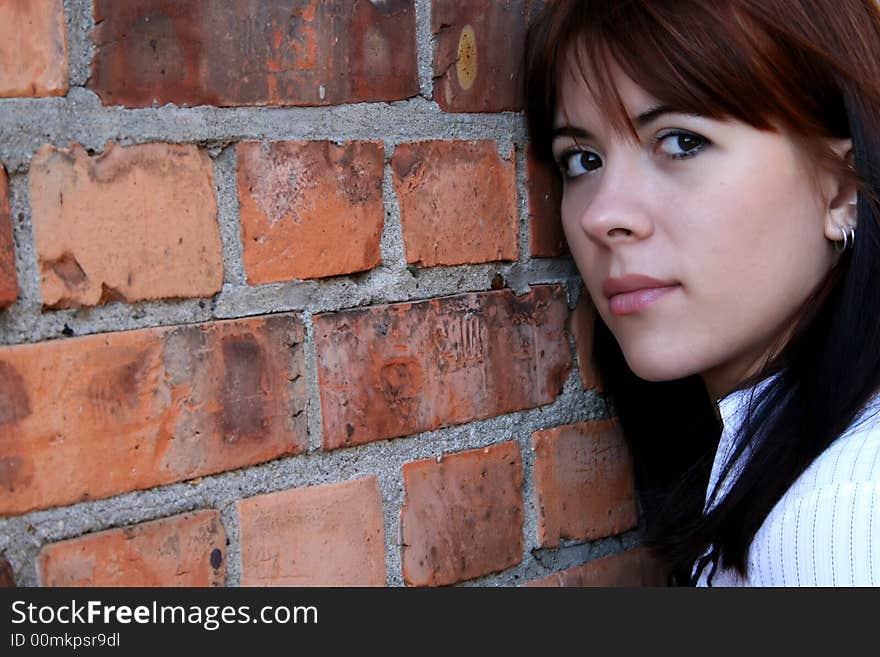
(467, 58)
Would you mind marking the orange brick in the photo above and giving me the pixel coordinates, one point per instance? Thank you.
(33, 48)
(396, 370)
(457, 202)
(95, 416)
(632, 568)
(462, 516)
(331, 535)
(478, 55)
(8, 276)
(584, 486)
(184, 550)
(254, 52)
(133, 224)
(310, 209)
(583, 322)
(544, 189)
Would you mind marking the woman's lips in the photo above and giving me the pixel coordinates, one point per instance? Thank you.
(628, 303)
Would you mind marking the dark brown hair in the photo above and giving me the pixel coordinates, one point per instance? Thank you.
(812, 69)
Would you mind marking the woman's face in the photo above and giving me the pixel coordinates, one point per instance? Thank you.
(698, 242)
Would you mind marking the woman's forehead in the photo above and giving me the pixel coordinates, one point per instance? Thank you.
(598, 93)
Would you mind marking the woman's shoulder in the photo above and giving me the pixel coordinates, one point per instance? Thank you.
(854, 457)
(825, 530)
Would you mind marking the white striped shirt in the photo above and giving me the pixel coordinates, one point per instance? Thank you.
(825, 529)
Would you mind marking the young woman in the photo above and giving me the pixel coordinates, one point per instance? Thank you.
(721, 177)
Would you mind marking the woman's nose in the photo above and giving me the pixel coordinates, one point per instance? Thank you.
(620, 209)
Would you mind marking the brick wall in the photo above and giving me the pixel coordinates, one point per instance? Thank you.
(285, 301)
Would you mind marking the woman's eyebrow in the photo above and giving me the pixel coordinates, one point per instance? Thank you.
(653, 114)
(570, 131)
(643, 119)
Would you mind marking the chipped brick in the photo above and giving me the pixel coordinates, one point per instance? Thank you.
(330, 535)
(254, 52)
(584, 485)
(478, 57)
(462, 516)
(33, 48)
(397, 370)
(583, 322)
(544, 188)
(133, 224)
(94, 416)
(175, 551)
(8, 275)
(633, 568)
(457, 202)
(310, 209)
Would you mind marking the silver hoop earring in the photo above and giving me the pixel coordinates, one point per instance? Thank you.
(837, 246)
(849, 238)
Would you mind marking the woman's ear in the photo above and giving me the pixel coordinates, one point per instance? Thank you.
(841, 192)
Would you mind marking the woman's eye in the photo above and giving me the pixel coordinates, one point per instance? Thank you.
(576, 163)
(679, 145)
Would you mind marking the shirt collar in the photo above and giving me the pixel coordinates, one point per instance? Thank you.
(734, 406)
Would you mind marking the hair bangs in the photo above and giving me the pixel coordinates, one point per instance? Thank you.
(718, 60)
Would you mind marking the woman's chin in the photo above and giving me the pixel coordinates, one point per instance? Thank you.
(659, 369)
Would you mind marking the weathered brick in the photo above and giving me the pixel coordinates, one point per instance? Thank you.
(632, 568)
(462, 516)
(94, 416)
(330, 535)
(254, 52)
(7, 577)
(33, 48)
(396, 370)
(457, 202)
(583, 322)
(8, 276)
(584, 487)
(310, 209)
(184, 550)
(478, 56)
(133, 224)
(544, 189)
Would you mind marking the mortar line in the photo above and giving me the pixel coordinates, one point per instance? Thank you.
(79, 21)
(392, 242)
(228, 216)
(28, 123)
(524, 220)
(313, 394)
(425, 48)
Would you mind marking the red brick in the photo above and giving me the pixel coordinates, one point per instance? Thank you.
(584, 487)
(396, 370)
(478, 55)
(134, 224)
(457, 202)
(7, 577)
(331, 535)
(544, 189)
(177, 551)
(94, 416)
(254, 52)
(8, 276)
(33, 48)
(462, 516)
(632, 568)
(310, 209)
(583, 322)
